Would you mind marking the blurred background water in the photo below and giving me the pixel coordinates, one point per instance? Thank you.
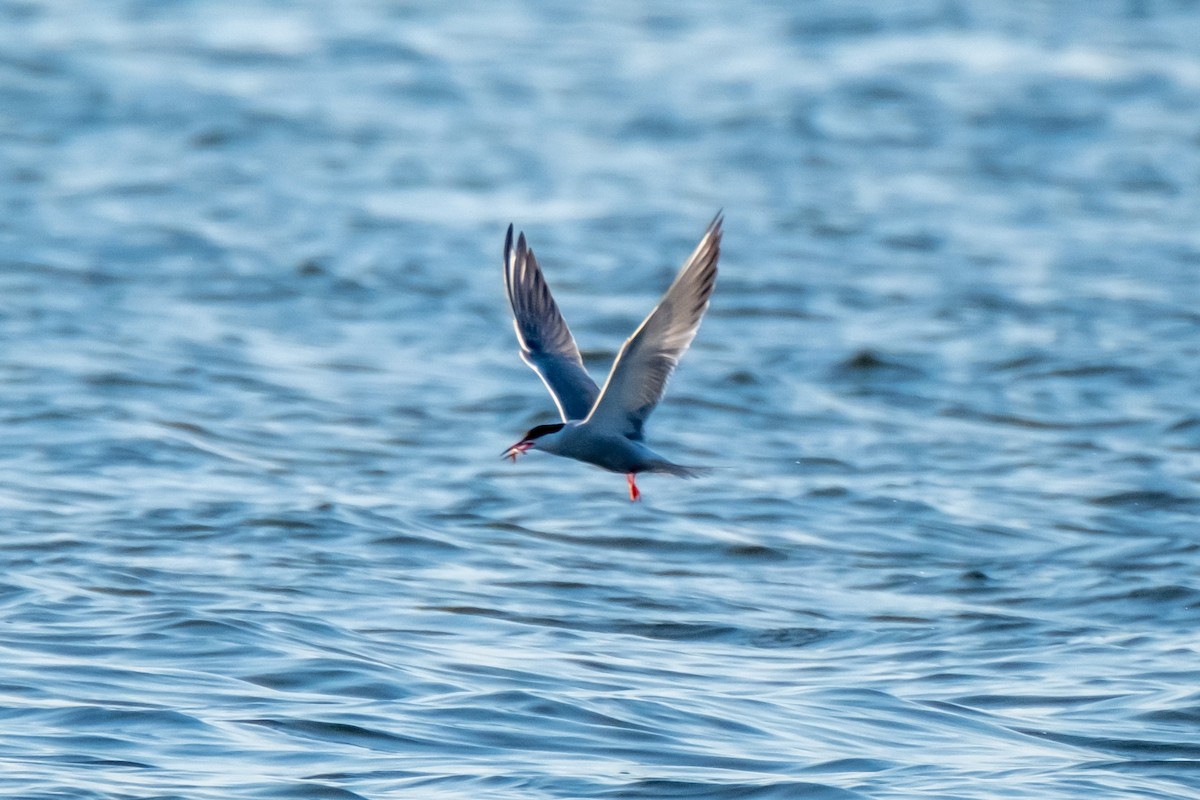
(257, 369)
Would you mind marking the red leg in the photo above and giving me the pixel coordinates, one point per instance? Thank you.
(634, 494)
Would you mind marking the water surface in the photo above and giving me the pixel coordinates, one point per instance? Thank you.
(257, 369)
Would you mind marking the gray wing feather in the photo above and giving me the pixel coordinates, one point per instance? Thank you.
(546, 342)
(639, 375)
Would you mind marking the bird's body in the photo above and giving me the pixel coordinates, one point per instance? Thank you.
(611, 451)
(604, 427)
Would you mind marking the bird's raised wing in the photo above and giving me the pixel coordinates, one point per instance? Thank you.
(546, 342)
(639, 375)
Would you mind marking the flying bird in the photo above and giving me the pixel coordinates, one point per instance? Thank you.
(605, 426)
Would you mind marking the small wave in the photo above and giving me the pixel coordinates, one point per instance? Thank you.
(731, 790)
(1145, 500)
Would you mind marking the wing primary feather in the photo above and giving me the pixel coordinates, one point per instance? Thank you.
(639, 375)
(545, 341)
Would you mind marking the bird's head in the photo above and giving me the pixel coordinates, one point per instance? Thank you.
(530, 440)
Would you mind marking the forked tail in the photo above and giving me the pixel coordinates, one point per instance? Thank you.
(678, 469)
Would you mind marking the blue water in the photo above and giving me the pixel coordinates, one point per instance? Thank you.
(257, 370)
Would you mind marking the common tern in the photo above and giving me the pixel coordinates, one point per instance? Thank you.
(605, 426)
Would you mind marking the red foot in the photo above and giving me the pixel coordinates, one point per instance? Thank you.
(634, 494)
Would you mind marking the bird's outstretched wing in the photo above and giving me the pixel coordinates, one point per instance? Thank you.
(639, 375)
(546, 342)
